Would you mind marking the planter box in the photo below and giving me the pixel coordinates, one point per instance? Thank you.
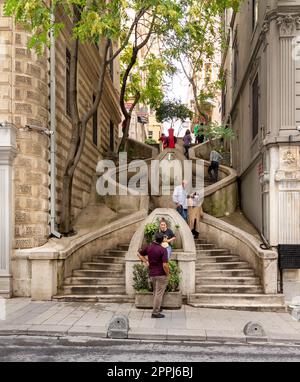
(171, 300)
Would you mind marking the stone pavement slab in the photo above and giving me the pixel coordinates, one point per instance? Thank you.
(51, 318)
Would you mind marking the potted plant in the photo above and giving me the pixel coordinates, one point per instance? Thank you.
(150, 230)
(144, 292)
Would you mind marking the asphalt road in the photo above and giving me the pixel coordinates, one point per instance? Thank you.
(36, 349)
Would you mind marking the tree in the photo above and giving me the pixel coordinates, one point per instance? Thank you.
(196, 43)
(173, 112)
(161, 17)
(93, 21)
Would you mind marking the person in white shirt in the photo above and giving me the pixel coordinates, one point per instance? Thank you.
(215, 159)
(180, 199)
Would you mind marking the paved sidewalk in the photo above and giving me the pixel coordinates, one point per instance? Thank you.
(61, 319)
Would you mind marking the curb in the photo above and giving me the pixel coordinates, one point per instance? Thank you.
(203, 337)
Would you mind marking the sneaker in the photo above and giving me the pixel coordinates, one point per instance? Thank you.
(159, 315)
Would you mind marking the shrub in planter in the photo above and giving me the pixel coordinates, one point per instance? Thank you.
(144, 291)
(150, 230)
(141, 281)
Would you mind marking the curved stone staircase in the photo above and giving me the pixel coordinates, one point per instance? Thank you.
(223, 281)
(100, 280)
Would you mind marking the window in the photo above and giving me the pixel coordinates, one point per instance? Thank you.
(235, 64)
(68, 82)
(95, 125)
(254, 13)
(111, 136)
(255, 107)
(150, 134)
(224, 93)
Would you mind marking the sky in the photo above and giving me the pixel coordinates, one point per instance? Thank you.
(178, 89)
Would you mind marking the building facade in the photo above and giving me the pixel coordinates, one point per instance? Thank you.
(261, 101)
(25, 101)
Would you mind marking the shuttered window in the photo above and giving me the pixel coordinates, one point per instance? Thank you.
(255, 107)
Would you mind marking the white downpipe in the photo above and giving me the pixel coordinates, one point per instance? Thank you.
(54, 232)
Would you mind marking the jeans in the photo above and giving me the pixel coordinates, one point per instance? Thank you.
(183, 212)
(160, 284)
(169, 250)
(186, 148)
(214, 166)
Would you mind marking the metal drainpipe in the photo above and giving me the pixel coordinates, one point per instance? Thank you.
(54, 232)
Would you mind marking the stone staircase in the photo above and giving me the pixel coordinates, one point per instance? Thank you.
(100, 280)
(223, 281)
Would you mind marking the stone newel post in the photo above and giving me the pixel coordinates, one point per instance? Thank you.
(8, 151)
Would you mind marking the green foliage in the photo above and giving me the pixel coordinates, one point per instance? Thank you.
(195, 43)
(142, 283)
(95, 19)
(173, 111)
(150, 141)
(150, 230)
(216, 131)
(174, 278)
(146, 79)
(141, 278)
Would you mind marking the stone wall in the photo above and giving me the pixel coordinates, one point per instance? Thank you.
(108, 111)
(24, 100)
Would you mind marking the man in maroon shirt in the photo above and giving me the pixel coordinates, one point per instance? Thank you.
(156, 257)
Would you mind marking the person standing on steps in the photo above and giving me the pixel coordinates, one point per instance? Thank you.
(180, 199)
(169, 237)
(187, 141)
(195, 213)
(164, 140)
(199, 133)
(156, 258)
(215, 159)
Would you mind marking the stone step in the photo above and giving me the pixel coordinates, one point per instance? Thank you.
(95, 273)
(93, 289)
(217, 259)
(124, 247)
(77, 280)
(205, 246)
(227, 281)
(107, 298)
(228, 289)
(226, 273)
(279, 308)
(213, 252)
(219, 266)
(250, 302)
(113, 253)
(102, 266)
(108, 259)
(242, 299)
(200, 241)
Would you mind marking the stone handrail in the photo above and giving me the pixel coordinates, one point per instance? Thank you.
(221, 198)
(224, 235)
(54, 261)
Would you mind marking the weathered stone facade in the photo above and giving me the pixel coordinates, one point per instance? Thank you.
(261, 101)
(24, 100)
